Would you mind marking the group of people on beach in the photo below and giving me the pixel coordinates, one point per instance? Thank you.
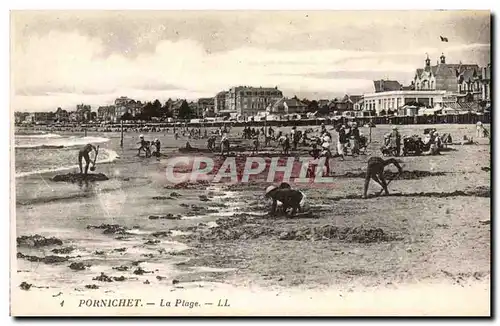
(295, 199)
(146, 147)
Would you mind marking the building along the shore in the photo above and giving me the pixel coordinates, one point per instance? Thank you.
(206, 107)
(220, 102)
(445, 85)
(246, 101)
(285, 106)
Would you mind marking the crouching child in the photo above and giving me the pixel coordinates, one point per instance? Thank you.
(289, 198)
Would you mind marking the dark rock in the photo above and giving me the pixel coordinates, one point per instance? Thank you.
(102, 278)
(47, 259)
(120, 249)
(171, 216)
(119, 279)
(168, 216)
(161, 234)
(160, 197)
(36, 241)
(66, 250)
(25, 286)
(140, 271)
(77, 177)
(204, 198)
(98, 252)
(159, 278)
(91, 286)
(77, 266)
(174, 194)
(121, 268)
(175, 282)
(109, 228)
(136, 263)
(123, 237)
(147, 282)
(152, 242)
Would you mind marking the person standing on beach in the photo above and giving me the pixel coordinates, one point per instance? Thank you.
(354, 133)
(84, 154)
(157, 147)
(224, 144)
(144, 146)
(341, 141)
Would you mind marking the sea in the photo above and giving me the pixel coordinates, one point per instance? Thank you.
(66, 210)
(50, 152)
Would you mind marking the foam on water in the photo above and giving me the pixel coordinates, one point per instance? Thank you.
(40, 142)
(39, 136)
(111, 156)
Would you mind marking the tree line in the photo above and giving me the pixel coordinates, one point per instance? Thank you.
(156, 109)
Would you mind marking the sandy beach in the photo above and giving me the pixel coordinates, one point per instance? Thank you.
(425, 249)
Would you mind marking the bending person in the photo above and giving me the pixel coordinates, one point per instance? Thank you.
(375, 171)
(84, 154)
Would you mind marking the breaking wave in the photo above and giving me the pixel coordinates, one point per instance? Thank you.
(56, 141)
(111, 156)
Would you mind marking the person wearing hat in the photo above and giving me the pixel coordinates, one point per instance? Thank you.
(157, 145)
(285, 144)
(211, 142)
(287, 196)
(256, 143)
(327, 154)
(354, 134)
(293, 135)
(341, 141)
(144, 146)
(224, 144)
(395, 140)
(479, 129)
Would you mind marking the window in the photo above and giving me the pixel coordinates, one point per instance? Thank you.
(432, 84)
(418, 86)
(380, 102)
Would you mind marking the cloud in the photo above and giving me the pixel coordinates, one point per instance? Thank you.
(63, 66)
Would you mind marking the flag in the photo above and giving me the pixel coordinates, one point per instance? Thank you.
(443, 39)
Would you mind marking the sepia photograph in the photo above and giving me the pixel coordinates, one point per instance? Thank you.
(250, 163)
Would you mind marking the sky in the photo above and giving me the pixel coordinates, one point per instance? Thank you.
(63, 58)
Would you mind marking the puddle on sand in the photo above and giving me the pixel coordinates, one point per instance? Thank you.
(138, 232)
(179, 232)
(212, 224)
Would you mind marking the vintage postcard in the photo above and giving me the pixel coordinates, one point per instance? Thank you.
(250, 163)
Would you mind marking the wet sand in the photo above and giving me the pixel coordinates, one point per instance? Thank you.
(429, 234)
